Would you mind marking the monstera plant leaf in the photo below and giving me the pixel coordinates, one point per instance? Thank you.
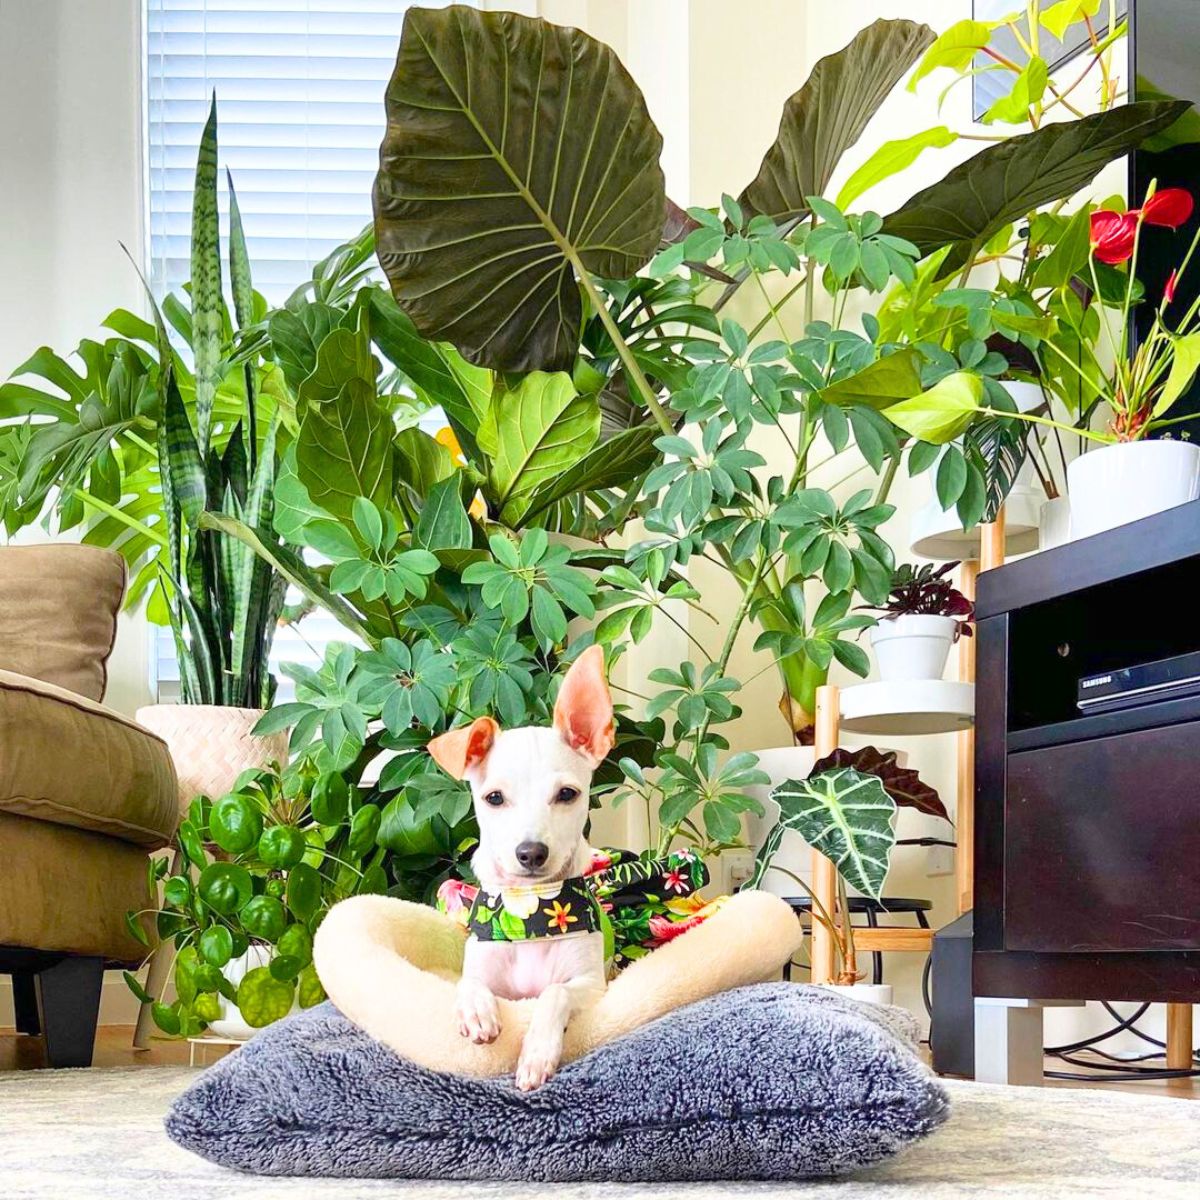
(828, 114)
(518, 156)
(904, 785)
(1008, 181)
(844, 814)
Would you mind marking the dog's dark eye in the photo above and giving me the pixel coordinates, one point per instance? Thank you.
(494, 799)
(566, 795)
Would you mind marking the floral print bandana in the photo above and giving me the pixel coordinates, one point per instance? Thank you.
(638, 903)
(562, 909)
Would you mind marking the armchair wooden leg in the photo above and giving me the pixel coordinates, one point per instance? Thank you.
(68, 995)
(25, 1003)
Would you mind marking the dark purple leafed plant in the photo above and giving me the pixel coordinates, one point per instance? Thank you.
(928, 591)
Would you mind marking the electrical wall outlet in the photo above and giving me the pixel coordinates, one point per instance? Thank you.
(939, 860)
(739, 866)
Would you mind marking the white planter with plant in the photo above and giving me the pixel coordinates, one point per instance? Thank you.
(1054, 523)
(923, 617)
(231, 1024)
(1125, 482)
(913, 646)
(864, 993)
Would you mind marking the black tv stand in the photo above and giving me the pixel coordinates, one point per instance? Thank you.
(1087, 833)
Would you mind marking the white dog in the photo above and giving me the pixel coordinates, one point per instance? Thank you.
(535, 929)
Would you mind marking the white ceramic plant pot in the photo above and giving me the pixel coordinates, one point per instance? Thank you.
(231, 1024)
(1128, 481)
(912, 646)
(1054, 523)
(866, 993)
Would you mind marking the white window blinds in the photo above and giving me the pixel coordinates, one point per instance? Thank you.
(299, 88)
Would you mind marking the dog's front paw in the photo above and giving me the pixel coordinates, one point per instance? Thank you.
(540, 1054)
(478, 1014)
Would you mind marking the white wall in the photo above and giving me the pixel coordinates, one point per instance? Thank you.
(70, 194)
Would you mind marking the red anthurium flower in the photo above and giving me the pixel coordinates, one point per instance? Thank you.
(1170, 207)
(1113, 235)
(1169, 290)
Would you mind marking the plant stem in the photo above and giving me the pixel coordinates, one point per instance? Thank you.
(630, 363)
(1020, 416)
(764, 321)
(889, 476)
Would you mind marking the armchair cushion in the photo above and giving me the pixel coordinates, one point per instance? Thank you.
(58, 613)
(69, 761)
(68, 890)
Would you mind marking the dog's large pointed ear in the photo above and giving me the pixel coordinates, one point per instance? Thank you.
(463, 749)
(583, 712)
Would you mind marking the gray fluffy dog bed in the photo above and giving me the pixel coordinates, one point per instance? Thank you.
(774, 1081)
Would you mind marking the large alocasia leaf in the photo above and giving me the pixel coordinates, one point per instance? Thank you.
(844, 814)
(903, 784)
(1008, 181)
(518, 155)
(533, 434)
(828, 114)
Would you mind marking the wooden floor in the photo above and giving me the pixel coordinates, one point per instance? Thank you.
(114, 1048)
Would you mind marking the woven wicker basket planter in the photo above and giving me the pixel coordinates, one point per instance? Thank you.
(211, 744)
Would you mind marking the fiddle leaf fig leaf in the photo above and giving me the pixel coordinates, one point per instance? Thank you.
(542, 427)
(344, 452)
(828, 114)
(1007, 181)
(519, 155)
(612, 463)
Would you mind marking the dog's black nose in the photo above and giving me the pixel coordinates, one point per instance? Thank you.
(532, 855)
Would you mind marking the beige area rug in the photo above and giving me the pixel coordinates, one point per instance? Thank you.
(73, 1135)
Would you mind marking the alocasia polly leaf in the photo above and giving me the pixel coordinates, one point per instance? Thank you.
(518, 156)
(844, 814)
